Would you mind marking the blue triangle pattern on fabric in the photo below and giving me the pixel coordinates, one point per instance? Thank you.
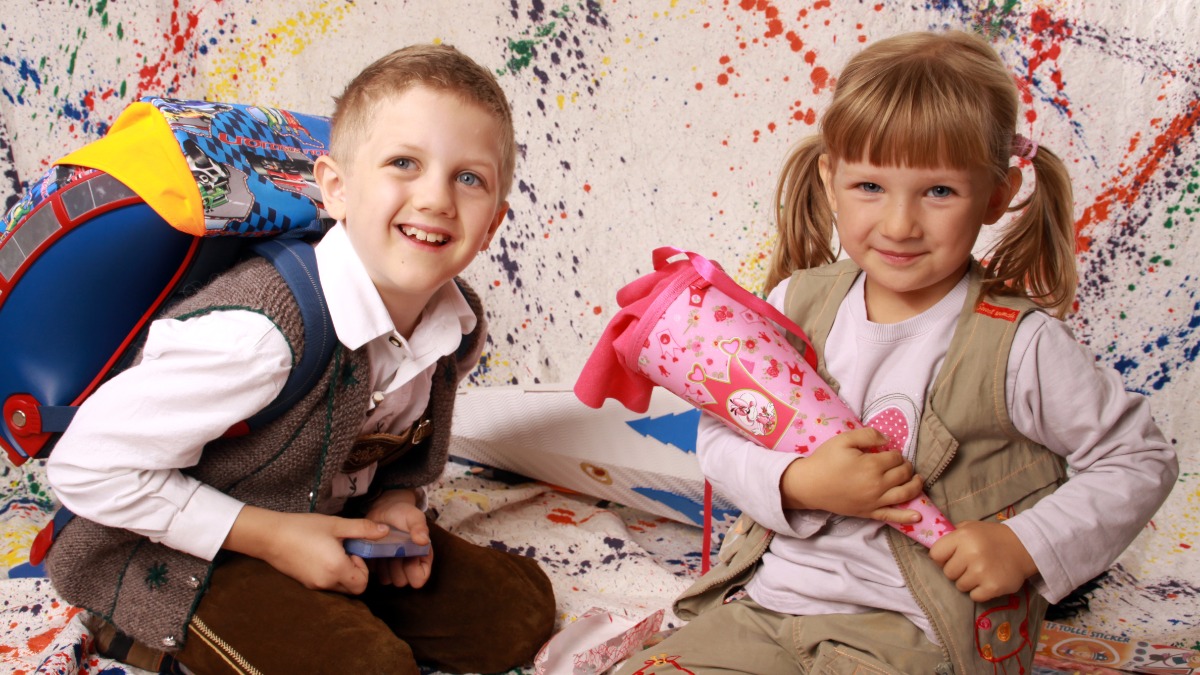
(677, 429)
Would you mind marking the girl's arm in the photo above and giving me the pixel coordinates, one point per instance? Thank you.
(1123, 469)
(118, 463)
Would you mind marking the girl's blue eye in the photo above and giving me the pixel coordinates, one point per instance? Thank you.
(469, 179)
(870, 187)
(940, 191)
(403, 163)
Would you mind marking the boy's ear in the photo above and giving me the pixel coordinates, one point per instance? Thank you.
(501, 214)
(333, 188)
(1002, 195)
(826, 173)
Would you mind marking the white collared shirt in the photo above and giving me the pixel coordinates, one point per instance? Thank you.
(119, 462)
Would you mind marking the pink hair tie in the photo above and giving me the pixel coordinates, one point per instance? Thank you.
(1023, 147)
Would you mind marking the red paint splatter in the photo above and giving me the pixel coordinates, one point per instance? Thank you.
(562, 517)
(179, 35)
(820, 78)
(587, 187)
(597, 310)
(1134, 179)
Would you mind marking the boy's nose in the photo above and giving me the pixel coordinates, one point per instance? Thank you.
(434, 194)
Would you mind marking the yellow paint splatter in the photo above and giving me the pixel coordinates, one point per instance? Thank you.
(248, 69)
(480, 501)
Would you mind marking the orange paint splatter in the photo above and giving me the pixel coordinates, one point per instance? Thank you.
(587, 187)
(1128, 192)
(597, 310)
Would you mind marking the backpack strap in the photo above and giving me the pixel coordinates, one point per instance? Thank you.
(296, 262)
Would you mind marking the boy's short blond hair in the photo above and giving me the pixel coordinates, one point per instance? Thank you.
(440, 67)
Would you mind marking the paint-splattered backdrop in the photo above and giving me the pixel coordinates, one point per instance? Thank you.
(651, 122)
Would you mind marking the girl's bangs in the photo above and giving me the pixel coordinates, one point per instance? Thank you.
(915, 123)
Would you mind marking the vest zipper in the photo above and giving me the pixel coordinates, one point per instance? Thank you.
(908, 582)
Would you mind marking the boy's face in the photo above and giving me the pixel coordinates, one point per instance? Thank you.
(419, 196)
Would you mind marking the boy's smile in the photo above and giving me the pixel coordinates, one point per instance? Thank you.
(420, 195)
(910, 229)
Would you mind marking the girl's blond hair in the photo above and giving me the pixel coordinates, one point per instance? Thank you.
(926, 100)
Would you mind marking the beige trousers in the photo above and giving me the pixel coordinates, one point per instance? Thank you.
(743, 637)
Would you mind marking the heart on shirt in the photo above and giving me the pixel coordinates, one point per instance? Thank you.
(892, 423)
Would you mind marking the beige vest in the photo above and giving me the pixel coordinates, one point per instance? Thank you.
(976, 465)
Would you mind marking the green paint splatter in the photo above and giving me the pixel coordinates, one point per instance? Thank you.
(523, 50)
(120, 31)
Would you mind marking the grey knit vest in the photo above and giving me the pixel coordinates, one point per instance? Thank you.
(149, 591)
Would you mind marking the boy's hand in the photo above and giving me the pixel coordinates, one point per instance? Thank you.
(842, 476)
(305, 546)
(986, 560)
(398, 509)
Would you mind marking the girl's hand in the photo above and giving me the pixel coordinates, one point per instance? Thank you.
(986, 560)
(398, 509)
(842, 476)
(305, 546)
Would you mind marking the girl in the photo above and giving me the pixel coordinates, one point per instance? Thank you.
(986, 396)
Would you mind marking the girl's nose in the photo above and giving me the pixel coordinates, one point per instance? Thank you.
(900, 221)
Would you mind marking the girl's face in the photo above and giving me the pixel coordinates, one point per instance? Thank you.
(911, 230)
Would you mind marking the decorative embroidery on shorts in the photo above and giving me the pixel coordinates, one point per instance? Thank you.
(156, 576)
(997, 639)
(662, 660)
(348, 376)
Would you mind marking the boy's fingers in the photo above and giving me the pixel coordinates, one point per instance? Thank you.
(418, 529)
(359, 528)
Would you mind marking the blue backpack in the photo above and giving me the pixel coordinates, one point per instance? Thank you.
(176, 192)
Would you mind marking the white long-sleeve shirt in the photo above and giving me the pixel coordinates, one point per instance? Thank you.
(1057, 395)
(119, 461)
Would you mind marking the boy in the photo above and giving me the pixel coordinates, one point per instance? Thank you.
(227, 553)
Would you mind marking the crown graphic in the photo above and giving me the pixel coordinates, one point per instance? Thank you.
(734, 389)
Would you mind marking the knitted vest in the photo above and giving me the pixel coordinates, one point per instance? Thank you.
(148, 590)
(976, 465)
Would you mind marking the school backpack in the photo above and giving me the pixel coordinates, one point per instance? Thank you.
(174, 193)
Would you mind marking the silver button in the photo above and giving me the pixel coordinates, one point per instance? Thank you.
(194, 581)
(168, 641)
(394, 340)
(377, 397)
(19, 420)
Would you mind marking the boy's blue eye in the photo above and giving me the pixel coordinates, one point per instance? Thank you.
(402, 163)
(469, 179)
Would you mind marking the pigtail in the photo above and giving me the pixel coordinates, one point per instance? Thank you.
(1036, 254)
(803, 219)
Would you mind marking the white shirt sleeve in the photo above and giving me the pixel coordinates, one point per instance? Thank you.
(1122, 467)
(748, 474)
(119, 462)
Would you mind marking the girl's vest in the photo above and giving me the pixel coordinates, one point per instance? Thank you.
(149, 591)
(976, 465)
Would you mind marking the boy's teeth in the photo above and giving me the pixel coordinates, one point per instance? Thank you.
(422, 235)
